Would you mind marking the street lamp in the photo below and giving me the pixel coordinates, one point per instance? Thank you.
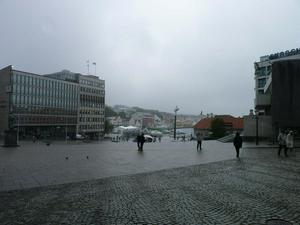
(16, 122)
(66, 129)
(175, 110)
(18, 129)
(256, 120)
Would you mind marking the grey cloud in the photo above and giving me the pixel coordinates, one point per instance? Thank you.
(155, 54)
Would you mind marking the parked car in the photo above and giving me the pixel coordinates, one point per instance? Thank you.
(80, 137)
(148, 138)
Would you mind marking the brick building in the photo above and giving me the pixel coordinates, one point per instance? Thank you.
(232, 124)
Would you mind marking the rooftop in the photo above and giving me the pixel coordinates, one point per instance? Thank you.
(237, 123)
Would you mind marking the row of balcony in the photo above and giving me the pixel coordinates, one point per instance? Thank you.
(263, 100)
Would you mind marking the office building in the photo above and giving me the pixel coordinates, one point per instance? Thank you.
(60, 104)
(263, 78)
(91, 103)
(276, 81)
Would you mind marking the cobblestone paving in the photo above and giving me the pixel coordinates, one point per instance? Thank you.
(247, 191)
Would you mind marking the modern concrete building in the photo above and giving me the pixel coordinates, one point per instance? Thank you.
(285, 95)
(275, 79)
(263, 78)
(91, 103)
(60, 104)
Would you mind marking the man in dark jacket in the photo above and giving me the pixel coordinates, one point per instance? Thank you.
(237, 142)
(142, 141)
(138, 140)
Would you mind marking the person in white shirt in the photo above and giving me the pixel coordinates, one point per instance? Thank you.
(290, 141)
(282, 143)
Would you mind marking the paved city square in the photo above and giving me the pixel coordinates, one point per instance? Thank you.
(32, 165)
(169, 183)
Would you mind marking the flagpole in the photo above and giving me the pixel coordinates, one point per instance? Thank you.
(94, 63)
(88, 66)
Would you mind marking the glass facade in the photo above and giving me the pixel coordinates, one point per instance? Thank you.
(92, 104)
(42, 106)
(37, 94)
(261, 82)
(62, 102)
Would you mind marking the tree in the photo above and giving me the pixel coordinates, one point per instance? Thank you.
(122, 115)
(109, 111)
(108, 127)
(218, 128)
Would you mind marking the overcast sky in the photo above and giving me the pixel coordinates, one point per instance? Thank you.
(156, 54)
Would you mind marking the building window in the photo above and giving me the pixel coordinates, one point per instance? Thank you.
(14, 99)
(260, 91)
(261, 83)
(14, 78)
(261, 71)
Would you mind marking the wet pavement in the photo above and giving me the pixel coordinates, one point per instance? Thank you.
(32, 165)
(169, 183)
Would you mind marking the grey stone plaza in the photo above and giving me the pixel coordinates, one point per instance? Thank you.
(168, 183)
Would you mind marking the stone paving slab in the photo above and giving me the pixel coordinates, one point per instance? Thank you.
(251, 190)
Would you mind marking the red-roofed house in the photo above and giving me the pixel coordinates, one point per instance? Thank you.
(232, 124)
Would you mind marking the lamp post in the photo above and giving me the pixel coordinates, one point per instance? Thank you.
(66, 129)
(88, 66)
(256, 120)
(175, 110)
(16, 123)
(18, 129)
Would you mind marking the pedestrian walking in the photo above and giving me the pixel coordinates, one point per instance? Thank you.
(138, 141)
(142, 141)
(154, 139)
(282, 143)
(238, 143)
(290, 141)
(199, 141)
